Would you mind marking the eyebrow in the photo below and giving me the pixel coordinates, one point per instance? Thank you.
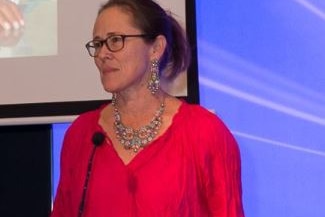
(107, 35)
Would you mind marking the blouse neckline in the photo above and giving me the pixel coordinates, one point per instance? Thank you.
(150, 148)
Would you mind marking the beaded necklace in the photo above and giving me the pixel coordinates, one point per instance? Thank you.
(134, 139)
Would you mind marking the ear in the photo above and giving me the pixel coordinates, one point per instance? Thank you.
(158, 47)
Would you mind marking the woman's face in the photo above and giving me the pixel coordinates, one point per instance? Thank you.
(126, 69)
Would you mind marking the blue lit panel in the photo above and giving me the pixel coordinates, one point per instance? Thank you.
(261, 69)
(58, 134)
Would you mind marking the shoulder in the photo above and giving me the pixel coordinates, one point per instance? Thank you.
(90, 117)
(205, 129)
(84, 125)
(78, 135)
(200, 117)
(85, 120)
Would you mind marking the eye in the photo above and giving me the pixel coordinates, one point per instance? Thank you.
(96, 44)
(115, 39)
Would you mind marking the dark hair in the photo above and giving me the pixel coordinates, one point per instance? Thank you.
(153, 20)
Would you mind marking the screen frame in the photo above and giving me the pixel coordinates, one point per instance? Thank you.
(56, 112)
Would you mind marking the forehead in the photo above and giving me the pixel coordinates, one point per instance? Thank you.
(114, 20)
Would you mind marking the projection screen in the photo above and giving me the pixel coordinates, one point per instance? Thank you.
(46, 74)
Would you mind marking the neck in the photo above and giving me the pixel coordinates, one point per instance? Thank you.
(137, 103)
(136, 138)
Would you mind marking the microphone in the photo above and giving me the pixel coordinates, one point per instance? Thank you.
(97, 139)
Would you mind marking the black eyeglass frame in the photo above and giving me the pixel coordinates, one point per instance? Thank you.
(105, 41)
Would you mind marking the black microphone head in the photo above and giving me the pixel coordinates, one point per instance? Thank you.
(98, 138)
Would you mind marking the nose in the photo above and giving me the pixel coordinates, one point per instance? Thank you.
(104, 52)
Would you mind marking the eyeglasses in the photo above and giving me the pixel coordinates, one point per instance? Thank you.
(113, 43)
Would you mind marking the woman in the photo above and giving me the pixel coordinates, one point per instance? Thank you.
(160, 156)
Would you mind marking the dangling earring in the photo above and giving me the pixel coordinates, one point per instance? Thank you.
(154, 82)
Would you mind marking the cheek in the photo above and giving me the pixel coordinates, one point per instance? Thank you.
(136, 67)
(136, 62)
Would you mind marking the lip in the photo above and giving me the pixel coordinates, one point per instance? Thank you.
(109, 69)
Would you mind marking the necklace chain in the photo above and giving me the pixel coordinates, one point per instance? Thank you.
(134, 139)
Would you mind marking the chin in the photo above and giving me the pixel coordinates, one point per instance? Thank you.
(111, 88)
(108, 85)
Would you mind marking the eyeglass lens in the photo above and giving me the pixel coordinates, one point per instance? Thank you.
(113, 43)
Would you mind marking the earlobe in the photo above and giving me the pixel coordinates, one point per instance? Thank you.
(159, 47)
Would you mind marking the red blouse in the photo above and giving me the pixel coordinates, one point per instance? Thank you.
(193, 169)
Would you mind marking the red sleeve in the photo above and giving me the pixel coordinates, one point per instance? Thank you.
(221, 168)
(73, 162)
(224, 180)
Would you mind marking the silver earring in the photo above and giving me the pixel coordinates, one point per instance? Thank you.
(154, 82)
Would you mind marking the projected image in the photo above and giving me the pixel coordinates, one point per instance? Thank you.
(28, 28)
(54, 35)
